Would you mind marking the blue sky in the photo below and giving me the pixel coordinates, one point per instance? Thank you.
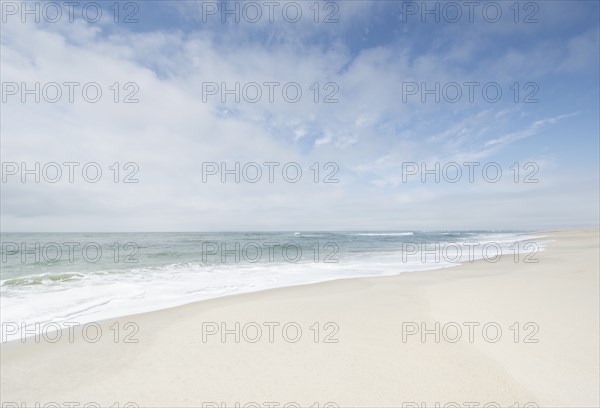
(370, 55)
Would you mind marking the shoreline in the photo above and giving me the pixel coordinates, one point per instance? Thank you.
(97, 317)
(177, 363)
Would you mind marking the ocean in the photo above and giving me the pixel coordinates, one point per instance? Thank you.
(86, 277)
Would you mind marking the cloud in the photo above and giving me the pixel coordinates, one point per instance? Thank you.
(533, 129)
(369, 132)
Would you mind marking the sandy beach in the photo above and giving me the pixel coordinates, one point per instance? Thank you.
(505, 333)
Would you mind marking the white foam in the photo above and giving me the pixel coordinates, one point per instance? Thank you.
(109, 294)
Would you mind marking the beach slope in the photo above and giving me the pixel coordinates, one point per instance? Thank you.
(505, 332)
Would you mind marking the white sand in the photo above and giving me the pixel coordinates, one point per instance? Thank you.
(370, 366)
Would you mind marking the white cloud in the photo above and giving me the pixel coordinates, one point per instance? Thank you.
(170, 132)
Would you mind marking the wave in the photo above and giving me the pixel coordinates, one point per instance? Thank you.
(90, 295)
(41, 279)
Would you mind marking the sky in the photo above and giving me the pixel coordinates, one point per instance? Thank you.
(361, 80)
